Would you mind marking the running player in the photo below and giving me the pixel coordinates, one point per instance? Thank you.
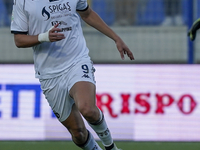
(62, 63)
(193, 30)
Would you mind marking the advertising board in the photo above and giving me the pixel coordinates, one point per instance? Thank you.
(140, 103)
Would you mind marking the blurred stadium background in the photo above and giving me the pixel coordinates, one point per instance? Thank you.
(147, 29)
(150, 39)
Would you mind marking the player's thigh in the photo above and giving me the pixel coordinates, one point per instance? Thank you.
(82, 86)
(84, 94)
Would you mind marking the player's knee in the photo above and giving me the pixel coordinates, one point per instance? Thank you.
(90, 114)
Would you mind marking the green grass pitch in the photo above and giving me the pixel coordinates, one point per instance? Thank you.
(68, 145)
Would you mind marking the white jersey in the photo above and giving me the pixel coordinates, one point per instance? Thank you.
(33, 17)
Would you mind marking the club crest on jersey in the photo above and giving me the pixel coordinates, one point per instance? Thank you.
(54, 9)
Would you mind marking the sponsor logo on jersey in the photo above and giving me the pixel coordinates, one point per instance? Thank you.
(66, 29)
(61, 23)
(54, 9)
(45, 13)
(58, 22)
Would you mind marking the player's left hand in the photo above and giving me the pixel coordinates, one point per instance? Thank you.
(123, 49)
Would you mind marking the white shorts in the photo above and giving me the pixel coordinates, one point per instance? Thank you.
(56, 90)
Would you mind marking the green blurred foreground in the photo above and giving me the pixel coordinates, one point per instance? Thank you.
(67, 145)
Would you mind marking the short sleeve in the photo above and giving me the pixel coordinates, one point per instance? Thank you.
(19, 22)
(82, 5)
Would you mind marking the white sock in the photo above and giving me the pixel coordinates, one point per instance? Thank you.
(101, 128)
(90, 143)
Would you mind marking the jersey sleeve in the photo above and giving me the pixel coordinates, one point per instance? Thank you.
(82, 5)
(19, 22)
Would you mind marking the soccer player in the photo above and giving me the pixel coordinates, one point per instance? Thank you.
(62, 63)
(193, 30)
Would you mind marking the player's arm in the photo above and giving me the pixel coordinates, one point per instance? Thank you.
(192, 32)
(24, 40)
(93, 19)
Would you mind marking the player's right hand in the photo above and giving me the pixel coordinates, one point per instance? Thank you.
(52, 35)
(192, 32)
(55, 34)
